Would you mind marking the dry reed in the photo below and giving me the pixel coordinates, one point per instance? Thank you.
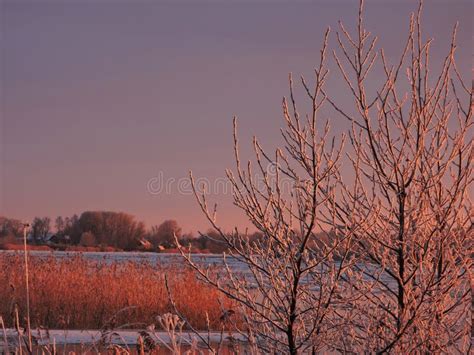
(83, 294)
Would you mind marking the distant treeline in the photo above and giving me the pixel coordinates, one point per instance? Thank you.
(107, 231)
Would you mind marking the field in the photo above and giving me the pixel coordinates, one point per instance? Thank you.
(81, 293)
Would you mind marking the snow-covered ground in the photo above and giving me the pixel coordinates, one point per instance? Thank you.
(91, 339)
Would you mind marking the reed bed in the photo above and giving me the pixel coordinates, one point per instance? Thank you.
(83, 294)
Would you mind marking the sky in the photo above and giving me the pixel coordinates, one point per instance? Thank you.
(106, 105)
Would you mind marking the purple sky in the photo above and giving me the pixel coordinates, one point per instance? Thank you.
(99, 97)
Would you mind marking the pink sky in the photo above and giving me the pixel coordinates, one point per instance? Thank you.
(99, 97)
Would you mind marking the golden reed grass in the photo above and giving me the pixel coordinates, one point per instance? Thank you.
(79, 293)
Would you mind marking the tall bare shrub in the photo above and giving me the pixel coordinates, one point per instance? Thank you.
(408, 204)
(290, 286)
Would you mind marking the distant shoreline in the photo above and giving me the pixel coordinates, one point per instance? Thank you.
(102, 249)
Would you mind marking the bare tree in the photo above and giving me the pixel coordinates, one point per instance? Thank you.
(60, 225)
(290, 284)
(10, 227)
(164, 233)
(116, 229)
(380, 261)
(40, 228)
(408, 203)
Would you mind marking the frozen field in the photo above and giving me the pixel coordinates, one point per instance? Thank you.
(140, 257)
